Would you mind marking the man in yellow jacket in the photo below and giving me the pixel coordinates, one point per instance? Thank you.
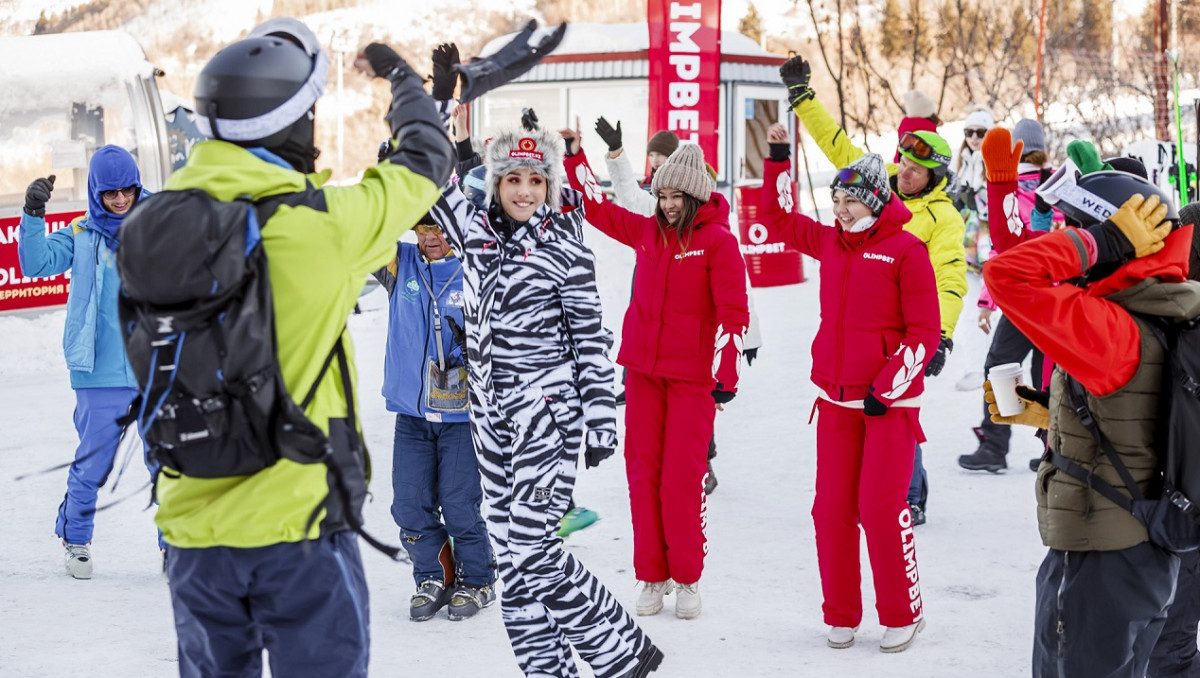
(267, 560)
(920, 179)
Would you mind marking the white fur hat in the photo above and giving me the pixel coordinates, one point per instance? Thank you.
(541, 150)
(918, 105)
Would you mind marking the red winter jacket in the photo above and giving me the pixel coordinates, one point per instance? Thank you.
(1094, 340)
(879, 307)
(688, 311)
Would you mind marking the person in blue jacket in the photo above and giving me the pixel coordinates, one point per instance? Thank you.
(100, 374)
(434, 464)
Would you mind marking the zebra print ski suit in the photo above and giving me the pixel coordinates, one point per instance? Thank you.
(540, 375)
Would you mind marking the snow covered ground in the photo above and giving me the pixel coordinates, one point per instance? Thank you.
(978, 554)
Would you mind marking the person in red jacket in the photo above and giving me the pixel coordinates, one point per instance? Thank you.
(681, 341)
(879, 325)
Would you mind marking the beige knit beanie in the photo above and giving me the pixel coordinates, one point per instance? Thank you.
(685, 171)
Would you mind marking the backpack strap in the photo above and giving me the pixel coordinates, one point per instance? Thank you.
(1078, 400)
(339, 484)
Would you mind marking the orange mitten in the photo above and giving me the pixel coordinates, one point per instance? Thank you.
(1000, 158)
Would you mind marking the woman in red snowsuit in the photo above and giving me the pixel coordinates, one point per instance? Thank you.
(681, 342)
(879, 325)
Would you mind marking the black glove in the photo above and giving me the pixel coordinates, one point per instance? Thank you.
(780, 152)
(457, 333)
(938, 361)
(37, 195)
(511, 62)
(592, 456)
(722, 397)
(445, 58)
(386, 63)
(796, 73)
(1038, 203)
(1034, 396)
(610, 135)
(750, 354)
(529, 120)
(1112, 247)
(872, 407)
(385, 150)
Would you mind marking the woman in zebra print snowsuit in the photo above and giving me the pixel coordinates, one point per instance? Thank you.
(541, 388)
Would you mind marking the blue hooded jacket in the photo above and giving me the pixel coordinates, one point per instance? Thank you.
(92, 343)
(411, 340)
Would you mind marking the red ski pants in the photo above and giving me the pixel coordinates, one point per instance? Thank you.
(668, 424)
(864, 465)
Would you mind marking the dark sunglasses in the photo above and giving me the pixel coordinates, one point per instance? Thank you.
(920, 149)
(968, 133)
(128, 192)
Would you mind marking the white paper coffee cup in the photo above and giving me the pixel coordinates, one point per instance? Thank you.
(1004, 380)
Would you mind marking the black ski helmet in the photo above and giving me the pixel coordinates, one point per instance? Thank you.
(1098, 195)
(254, 90)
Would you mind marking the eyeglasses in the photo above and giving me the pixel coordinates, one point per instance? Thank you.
(428, 229)
(968, 133)
(128, 192)
(921, 149)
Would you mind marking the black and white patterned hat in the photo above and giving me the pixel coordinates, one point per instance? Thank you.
(866, 180)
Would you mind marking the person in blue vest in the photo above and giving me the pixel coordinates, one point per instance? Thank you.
(103, 382)
(433, 464)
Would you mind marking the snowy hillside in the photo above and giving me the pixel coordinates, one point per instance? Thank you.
(978, 554)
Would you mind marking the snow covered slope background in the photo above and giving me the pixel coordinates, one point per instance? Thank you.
(977, 555)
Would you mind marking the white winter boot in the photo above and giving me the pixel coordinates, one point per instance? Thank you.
(841, 637)
(898, 638)
(79, 560)
(687, 601)
(650, 602)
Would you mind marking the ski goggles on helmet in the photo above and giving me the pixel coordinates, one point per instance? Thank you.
(920, 149)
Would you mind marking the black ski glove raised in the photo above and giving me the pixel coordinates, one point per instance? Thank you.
(529, 119)
(37, 195)
(445, 58)
(512, 61)
(611, 135)
(795, 74)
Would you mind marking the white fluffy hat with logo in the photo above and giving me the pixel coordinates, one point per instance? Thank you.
(540, 150)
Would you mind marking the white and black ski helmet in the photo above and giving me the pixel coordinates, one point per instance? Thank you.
(1091, 198)
(254, 90)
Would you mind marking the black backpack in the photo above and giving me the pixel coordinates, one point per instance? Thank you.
(1171, 511)
(198, 323)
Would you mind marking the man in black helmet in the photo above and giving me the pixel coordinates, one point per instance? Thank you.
(266, 561)
(1104, 587)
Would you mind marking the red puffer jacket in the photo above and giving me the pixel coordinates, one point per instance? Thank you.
(879, 306)
(688, 311)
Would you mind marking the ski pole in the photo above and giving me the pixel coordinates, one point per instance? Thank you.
(1182, 175)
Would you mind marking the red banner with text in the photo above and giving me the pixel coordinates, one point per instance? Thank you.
(685, 70)
(17, 291)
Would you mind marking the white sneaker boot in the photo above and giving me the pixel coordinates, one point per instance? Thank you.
(841, 637)
(687, 601)
(650, 602)
(78, 560)
(899, 638)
